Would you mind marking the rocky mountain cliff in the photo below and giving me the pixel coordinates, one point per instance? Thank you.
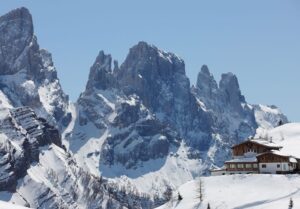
(28, 76)
(143, 117)
(35, 168)
(37, 172)
(136, 128)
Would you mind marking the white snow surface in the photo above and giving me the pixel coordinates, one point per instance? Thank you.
(248, 191)
(287, 136)
(153, 176)
(7, 205)
(243, 191)
(267, 116)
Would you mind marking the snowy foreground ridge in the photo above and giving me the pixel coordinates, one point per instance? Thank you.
(257, 191)
(6, 205)
(251, 191)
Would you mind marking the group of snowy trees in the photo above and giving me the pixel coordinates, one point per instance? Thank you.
(168, 194)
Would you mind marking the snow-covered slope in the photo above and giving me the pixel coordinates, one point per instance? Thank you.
(6, 205)
(288, 136)
(36, 171)
(258, 191)
(268, 117)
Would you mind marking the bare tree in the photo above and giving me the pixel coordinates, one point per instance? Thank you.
(200, 190)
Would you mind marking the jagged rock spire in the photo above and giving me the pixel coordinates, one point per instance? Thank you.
(230, 88)
(33, 79)
(101, 76)
(206, 83)
(16, 32)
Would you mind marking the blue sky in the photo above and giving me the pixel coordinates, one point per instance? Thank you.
(259, 41)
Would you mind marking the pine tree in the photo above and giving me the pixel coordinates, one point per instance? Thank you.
(179, 198)
(291, 204)
(208, 206)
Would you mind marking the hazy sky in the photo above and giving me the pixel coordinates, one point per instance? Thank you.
(259, 41)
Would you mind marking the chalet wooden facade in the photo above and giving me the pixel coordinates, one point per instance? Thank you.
(253, 146)
(258, 156)
(277, 162)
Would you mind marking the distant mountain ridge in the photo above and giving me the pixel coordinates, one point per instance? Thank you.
(140, 124)
(145, 111)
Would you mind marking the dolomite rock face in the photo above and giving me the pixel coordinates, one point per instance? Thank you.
(22, 133)
(145, 111)
(27, 74)
(134, 124)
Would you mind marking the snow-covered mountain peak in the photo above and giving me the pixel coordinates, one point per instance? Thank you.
(27, 74)
(149, 56)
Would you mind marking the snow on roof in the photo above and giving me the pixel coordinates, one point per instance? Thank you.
(243, 160)
(284, 154)
(265, 142)
(262, 142)
(292, 159)
(216, 168)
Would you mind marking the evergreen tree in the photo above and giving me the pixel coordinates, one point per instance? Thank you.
(208, 206)
(291, 204)
(179, 198)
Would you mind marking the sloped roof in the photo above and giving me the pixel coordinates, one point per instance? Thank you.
(292, 159)
(262, 142)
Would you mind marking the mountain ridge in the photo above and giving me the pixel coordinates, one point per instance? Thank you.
(141, 124)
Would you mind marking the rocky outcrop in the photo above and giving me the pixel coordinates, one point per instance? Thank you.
(152, 83)
(143, 137)
(22, 133)
(140, 136)
(32, 159)
(230, 91)
(159, 79)
(27, 74)
(101, 76)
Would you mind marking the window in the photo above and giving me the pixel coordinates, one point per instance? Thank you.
(284, 166)
(254, 165)
(232, 165)
(263, 165)
(278, 165)
(248, 166)
(240, 165)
